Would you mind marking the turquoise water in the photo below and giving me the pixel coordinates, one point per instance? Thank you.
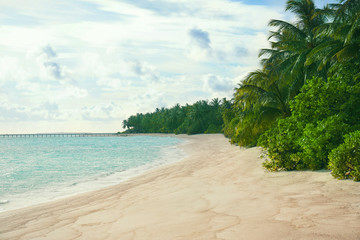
(34, 170)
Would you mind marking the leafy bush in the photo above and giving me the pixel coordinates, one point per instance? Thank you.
(322, 114)
(318, 140)
(281, 142)
(230, 121)
(344, 161)
(230, 127)
(320, 99)
(213, 129)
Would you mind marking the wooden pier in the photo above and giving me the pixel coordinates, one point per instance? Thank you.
(45, 135)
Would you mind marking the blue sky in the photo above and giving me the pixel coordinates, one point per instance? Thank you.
(86, 65)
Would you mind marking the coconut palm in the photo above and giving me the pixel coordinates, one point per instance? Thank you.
(291, 44)
(343, 35)
(259, 100)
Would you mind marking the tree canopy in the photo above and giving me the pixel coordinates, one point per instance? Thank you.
(305, 99)
(200, 117)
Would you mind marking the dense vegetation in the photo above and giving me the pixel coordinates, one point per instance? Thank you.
(303, 105)
(200, 117)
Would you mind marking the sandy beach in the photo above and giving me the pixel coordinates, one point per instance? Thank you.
(219, 191)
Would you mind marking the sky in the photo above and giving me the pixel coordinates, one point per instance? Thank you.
(87, 65)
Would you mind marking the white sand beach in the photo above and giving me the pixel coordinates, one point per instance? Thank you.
(219, 191)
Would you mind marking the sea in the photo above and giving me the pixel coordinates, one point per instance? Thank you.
(36, 170)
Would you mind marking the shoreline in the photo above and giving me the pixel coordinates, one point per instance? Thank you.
(219, 191)
(54, 192)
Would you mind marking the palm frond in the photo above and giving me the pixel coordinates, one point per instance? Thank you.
(354, 26)
(268, 52)
(283, 25)
(291, 45)
(321, 50)
(348, 52)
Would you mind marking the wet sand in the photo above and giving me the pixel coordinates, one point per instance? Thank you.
(219, 191)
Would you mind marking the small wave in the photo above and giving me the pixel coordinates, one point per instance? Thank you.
(4, 201)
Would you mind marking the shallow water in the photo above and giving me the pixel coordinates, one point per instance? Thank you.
(34, 170)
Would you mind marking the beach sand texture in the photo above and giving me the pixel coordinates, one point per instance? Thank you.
(219, 191)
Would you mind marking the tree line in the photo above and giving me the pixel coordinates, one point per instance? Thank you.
(200, 117)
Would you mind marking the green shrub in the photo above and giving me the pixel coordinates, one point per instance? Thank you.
(213, 129)
(318, 140)
(320, 99)
(281, 143)
(344, 161)
(321, 115)
(229, 128)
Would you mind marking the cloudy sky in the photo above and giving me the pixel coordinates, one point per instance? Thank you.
(86, 65)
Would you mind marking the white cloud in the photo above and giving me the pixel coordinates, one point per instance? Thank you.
(12, 113)
(49, 51)
(199, 48)
(81, 62)
(218, 86)
(74, 91)
(102, 111)
(200, 38)
(10, 70)
(143, 70)
(47, 64)
(147, 101)
(45, 111)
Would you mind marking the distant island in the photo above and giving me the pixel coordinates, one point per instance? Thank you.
(302, 106)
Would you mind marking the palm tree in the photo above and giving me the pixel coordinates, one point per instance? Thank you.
(291, 44)
(259, 100)
(174, 118)
(265, 94)
(198, 115)
(343, 35)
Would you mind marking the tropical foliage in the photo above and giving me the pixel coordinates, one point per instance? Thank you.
(306, 97)
(201, 117)
(345, 159)
(322, 114)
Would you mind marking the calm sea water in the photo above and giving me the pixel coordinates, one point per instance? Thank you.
(34, 170)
